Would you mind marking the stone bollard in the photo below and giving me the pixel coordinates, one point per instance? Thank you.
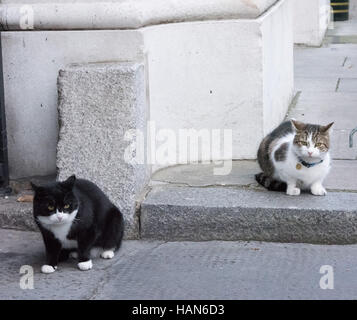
(98, 104)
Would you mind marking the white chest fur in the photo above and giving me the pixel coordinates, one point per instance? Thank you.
(60, 231)
(291, 171)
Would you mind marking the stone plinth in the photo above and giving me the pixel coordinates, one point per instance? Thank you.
(98, 104)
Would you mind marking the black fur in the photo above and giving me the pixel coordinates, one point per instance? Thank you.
(265, 178)
(98, 223)
(269, 183)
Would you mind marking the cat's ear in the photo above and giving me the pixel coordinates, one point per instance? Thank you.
(299, 126)
(69, 183)
(326, 128)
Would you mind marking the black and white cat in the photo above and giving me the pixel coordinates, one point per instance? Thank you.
(295, 156)
(75, 217)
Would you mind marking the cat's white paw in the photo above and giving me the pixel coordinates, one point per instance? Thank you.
(108, 254)
(293, 191)
(48, 269)
(73, 255)
(318, 190)
(86, 265)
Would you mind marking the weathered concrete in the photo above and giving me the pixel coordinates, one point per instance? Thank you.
(98, 105)
(202, 175)
(342, 176)
(183, 270)
(16, 215)
(311, 18)
(198, 214)
(347, 85)
(333, 61)
(343, 31)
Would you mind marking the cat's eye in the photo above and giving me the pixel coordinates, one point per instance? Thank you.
(319, 145)
(66, 206)
(303, 143)
(51, 208)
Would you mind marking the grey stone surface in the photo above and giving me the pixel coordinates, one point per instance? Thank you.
(216, 213)
(328, 107)
(326, 62)
(183, 270)
(26, 248)
(98, 104)
(347, 85)
(342, 32)
(315, 85)
(16, 215)
(242, 174)
(341, 178)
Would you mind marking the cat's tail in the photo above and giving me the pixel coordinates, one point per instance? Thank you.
(270, 183)
(114, 229)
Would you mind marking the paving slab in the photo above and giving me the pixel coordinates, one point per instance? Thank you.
(201, 175)
(315, 85)
(327, 62)
(343, 28)
(341, 149)
(347, 85)
(325, 78)
(68, 283)
(341, 178)
(183, 270)
(327, 107)
(342, 32)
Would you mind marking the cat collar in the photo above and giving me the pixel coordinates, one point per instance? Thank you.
(308, 164)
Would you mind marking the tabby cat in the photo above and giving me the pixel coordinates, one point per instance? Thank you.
(295, 156)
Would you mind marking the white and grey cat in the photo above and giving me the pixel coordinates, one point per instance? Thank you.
(295, 156)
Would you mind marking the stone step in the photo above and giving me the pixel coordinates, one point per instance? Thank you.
(189, 202)
(16, 215)
(175, 213)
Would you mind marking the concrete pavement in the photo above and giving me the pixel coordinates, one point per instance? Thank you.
(342, 32)
(183, 270)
